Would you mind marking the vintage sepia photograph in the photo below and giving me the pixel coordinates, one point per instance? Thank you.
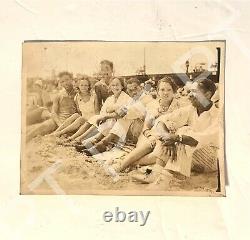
(123, 118)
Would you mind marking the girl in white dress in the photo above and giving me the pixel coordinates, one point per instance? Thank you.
(99, 125)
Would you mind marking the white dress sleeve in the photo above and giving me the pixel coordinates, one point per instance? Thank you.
(109, 102)
(176, 119)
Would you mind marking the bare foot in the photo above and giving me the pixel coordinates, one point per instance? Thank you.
(117, 167)
(78, 139)
(109, 162)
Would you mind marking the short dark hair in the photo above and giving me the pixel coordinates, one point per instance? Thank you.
(133, 80)
(207, 85)
(168, 80)
(61, 74)
(108, 63)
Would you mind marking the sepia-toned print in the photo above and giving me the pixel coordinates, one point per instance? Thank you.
(123, 118)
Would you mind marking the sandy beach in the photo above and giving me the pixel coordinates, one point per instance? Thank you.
(72, 173)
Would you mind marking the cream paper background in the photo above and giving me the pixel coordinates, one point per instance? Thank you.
(80, 217)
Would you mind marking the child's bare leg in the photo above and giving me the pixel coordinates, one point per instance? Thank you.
(67, 122)
(89, 142)
(44, 128)
(98, 137)
(101, 144)
(87, 134)
(136, 155)
(80, 131)
(72, 127)
(148, 159)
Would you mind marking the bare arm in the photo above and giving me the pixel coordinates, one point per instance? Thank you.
(97, 106)
(149, 123)
(77, 105)
(112, 115)
(168, 138)
(55, 108)
(102, 119)
(162, 130)
(187, 140)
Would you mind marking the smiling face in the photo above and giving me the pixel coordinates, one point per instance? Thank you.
(133, 89)
(106, 71)
(165, 92)
(116, 87)
(198, 96)
(66, 82)
(84, 86)
(106, 68)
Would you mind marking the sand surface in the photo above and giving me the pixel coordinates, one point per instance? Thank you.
(49, 168)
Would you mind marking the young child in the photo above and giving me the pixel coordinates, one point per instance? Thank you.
(129, 126)
(99, 125)
(86, 103)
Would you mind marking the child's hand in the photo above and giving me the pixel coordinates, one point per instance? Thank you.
(110, 109)
(122, 111)
(171, 152)
(170, 139)
(101, 120)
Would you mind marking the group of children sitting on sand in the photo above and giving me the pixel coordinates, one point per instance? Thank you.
(173, 134)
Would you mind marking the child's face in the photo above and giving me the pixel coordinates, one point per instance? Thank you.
(116, 87)
(165, 91)
(84, 86)
(133, 89)
(66, 82)
(106, 68)
(106, 72)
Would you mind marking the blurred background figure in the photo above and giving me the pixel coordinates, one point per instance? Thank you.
(39, 104)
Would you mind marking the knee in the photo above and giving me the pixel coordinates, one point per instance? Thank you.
(47, 123)
(80, 120)
(76, 115)
(104, 141)
(111, 138)
(85, 126)
(159, 161)
(47, 126)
